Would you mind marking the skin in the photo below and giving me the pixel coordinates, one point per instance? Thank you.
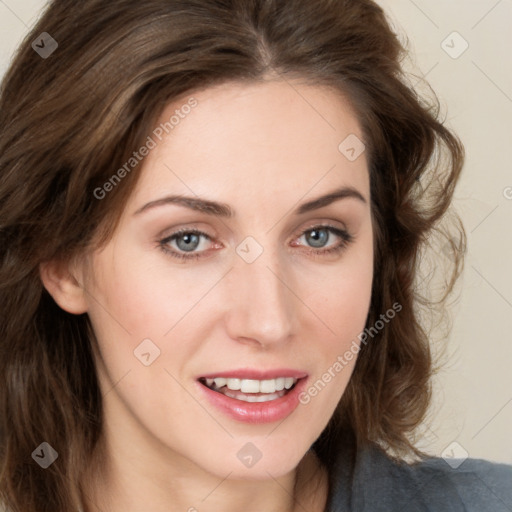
(264, 149)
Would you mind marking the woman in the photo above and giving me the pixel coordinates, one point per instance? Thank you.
(211, 215)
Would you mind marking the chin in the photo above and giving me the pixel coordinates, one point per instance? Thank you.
(252, 460)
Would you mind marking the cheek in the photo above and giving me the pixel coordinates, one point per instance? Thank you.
(142, 295)
(342, 308)
(342, 298)
(135, 299)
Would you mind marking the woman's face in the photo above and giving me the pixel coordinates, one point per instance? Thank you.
(265, 296)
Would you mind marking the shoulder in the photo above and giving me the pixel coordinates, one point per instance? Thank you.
(477, 484)
(381, 483)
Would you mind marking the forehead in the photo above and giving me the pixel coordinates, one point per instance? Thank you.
(254, 141)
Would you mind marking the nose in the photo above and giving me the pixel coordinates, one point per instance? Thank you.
(261, 304)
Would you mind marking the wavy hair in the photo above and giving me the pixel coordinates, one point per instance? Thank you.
(70, 120)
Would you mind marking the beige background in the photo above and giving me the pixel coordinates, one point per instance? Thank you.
(472, 411)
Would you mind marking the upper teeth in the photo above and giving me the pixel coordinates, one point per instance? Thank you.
(253, 386)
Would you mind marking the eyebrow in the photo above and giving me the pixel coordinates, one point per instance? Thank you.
(224, 210)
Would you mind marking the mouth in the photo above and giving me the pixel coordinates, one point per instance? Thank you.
(251, 390)
(254, 395)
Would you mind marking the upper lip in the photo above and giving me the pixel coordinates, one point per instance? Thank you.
(249, 373)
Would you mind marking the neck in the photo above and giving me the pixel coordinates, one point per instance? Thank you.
(126, 483)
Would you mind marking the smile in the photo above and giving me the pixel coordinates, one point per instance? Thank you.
(250, 390)
(253, 396)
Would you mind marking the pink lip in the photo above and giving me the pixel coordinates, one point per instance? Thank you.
(255, 412)
(248, 373)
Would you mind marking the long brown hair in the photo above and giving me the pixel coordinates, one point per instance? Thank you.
(70, 120)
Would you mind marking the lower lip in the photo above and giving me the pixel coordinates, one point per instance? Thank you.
(256, 412)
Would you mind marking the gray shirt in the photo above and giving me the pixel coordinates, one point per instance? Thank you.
(374, 482)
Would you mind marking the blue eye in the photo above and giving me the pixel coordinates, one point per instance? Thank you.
(188, 240)
(318, 236)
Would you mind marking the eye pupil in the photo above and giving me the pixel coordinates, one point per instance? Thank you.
(319, 237)
(191, 241)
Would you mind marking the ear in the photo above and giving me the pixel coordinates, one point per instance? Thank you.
(59, 280)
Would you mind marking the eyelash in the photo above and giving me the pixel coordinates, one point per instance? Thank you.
(346, 239)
